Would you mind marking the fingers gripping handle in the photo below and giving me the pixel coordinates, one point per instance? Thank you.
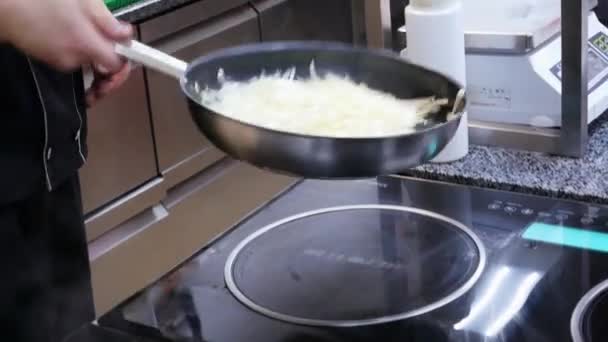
(152, 58)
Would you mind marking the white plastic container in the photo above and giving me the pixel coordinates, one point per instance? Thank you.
(435, 40)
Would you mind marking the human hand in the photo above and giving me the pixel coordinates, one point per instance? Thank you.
(64, 33)
(106, 82)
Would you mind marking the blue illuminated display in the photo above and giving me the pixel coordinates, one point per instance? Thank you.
(432, 147)
(567, 236)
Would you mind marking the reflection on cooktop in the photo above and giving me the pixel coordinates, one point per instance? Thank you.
(93, 333)
(589, 319)
(596, 329)
(355, 265)
(308, 268)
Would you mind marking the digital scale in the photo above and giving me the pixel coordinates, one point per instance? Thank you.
(514, 62)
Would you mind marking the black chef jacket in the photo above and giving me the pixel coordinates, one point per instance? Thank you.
(46, 291)
(42, 128)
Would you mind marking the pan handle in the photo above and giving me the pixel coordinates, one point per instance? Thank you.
(152, 58)
(459, 102)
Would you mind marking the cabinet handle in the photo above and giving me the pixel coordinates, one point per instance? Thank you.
(126, 231)
(152, 58)
(197, 182)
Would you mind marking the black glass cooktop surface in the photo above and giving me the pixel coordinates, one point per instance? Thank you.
(541, 257)
(590, 316)
(93, 333)
(596, 320)
(308, 268)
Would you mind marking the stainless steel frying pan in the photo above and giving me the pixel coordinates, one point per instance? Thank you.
(306, 155)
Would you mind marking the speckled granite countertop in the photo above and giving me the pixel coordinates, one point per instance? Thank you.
(583, 179)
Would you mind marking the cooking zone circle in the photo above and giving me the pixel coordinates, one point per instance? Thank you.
(355, 265)
(588, 322)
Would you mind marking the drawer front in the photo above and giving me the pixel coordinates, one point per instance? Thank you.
(121, 147)
(305, 20)
(185, 17)
(128, 258)
(182, 149)
(151, 244)
(202, 210)
(124, 208)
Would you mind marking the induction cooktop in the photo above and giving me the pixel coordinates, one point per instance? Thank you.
(389, 259)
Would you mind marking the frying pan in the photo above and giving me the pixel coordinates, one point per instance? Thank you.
(312, 156)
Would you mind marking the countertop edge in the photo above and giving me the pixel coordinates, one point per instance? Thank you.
(502, 186)
(148, 9)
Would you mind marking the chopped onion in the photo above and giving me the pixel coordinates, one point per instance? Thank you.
(329, 105)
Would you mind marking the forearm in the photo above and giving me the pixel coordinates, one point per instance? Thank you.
(66, 39)
(7, 10)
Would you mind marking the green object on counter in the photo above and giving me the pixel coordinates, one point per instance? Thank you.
(117, 4)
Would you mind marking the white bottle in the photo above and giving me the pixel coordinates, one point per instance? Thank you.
(435, 40)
